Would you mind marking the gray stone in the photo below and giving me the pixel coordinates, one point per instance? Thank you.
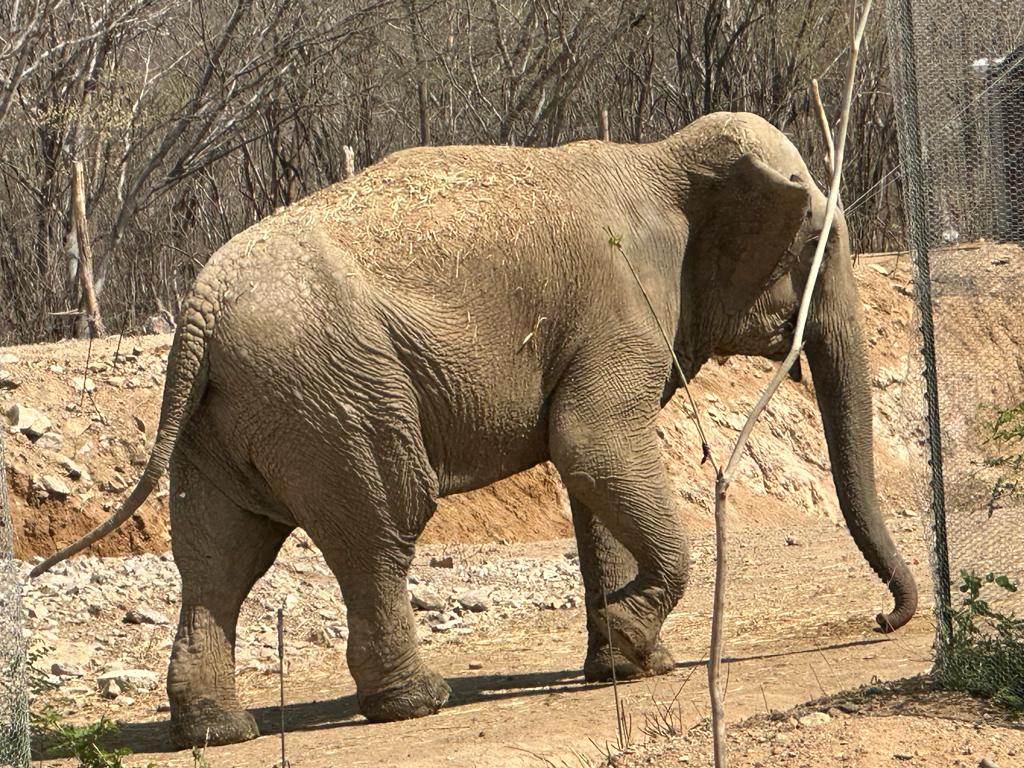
(144, 616)
(6, 358)
(814, 719)
(425, 599)
(474, 601)
(50, 441)
(8, 380)
(109, 689)
(55, 486)
(35, 611)
(116, 483)
(128, 680)
(62, 669)
(28, 421)
(73, 469)
(83, 383)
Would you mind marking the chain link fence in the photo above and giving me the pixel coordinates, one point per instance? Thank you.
(14, 738)
(958, 80)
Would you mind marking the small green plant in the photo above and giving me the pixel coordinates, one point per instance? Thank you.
(1007, 432)
(57, 737)
(82, 741)
(985, 655)
(199, 757)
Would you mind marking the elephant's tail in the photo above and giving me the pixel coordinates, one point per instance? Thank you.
(187, 370)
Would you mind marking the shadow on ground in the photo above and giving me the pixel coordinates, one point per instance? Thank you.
(153, 736)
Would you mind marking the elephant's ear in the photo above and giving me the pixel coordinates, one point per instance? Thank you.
(752, 217)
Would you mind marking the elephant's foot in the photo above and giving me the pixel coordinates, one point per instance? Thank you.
(206, 723)
(603, 659)
(423, 694)
(631, 626)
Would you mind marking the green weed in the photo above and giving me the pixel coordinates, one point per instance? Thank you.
(985, 654)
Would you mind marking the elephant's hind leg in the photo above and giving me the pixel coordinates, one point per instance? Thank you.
(366, 524)
(392, 681)
(220, 550)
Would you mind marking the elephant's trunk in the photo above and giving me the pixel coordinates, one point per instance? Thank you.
(838, 361)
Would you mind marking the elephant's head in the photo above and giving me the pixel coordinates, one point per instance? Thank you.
(755, 218)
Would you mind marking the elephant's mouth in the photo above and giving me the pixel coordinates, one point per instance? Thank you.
(780, 338)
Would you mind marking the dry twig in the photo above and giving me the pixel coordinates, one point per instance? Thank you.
(857, 26)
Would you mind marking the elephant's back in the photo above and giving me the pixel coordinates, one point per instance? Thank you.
(422, 217)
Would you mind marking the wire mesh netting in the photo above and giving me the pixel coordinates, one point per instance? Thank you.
(958, 72)
(14, 743)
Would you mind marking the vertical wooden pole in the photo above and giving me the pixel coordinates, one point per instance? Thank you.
(348, 162)
(89, 320)
(605, 132)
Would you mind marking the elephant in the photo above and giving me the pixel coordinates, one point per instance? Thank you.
(453, 315)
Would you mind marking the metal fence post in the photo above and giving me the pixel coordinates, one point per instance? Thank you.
(14, 735)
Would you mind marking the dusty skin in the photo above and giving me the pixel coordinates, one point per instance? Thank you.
(800, 614)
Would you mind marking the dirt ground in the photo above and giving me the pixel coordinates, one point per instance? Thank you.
(801, 599)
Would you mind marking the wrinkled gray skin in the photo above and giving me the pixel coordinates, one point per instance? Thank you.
(452, 316)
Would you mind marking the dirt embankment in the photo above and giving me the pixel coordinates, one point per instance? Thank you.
(77, 453)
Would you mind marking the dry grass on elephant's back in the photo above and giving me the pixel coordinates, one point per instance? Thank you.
(417, 206)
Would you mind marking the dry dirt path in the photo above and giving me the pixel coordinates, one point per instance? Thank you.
(800, 627)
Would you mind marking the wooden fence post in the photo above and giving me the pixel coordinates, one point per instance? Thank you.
(348, 162)
(88, 321)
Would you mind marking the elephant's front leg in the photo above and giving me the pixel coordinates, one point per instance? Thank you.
(220, 550)
(606, 451)
(607, 567)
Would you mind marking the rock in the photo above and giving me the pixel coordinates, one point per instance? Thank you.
(34, 611)
(442, 562)
(116, 483)
(144, 616)
(986, 763)
(73, 469)
(55, 486)
(83, 384)
(848, 707)
(162, 322)
(109, 689)
(476, 665)
(67, 670)
(8, 380)
(792, 541)
(473, 601)
(425, 599)
(6, 358)
(814, 719)
(28, 421)
(50, 441)
(445, 626)
(128, 680)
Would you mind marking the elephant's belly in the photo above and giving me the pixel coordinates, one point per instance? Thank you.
(483, 454)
